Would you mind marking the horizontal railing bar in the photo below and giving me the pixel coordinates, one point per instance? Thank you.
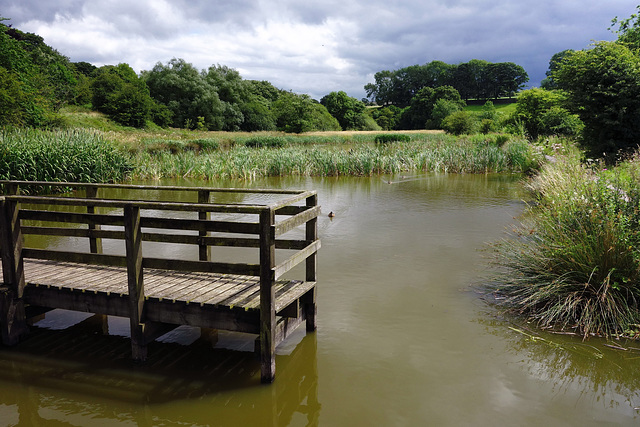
(202, 266)
(77, 257)
(295, 259)
(71, 217)
(296, 221)
(290, 200)
(142, 204)
(151, 187)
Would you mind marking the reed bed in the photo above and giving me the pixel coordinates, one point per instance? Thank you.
(574, 263)
(69, 155)
(433, 153)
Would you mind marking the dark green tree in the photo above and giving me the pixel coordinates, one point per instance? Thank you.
(347, 110)
(299, 113)
(603, 87)
(554, 64)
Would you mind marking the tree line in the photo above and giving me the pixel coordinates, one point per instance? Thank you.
(476, 79)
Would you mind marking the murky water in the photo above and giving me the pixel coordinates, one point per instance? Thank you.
(401, 339)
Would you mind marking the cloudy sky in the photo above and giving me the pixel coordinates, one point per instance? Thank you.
(316, 47)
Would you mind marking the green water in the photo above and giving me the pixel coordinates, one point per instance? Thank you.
(402, 338)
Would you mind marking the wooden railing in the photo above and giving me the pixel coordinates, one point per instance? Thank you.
(98, 215)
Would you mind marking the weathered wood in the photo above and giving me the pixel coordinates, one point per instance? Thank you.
(267, 298)
(296, 220)
(13, 322)
(296, 259)
(311, 234)
(204, 250)
(95, 244)
(133, 243)
(159, 293)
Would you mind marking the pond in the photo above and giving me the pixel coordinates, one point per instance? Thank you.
(402, 339)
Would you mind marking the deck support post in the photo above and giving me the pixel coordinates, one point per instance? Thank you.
(204, 249)
(95, 243)
(311, 235)
(267, 297)
(13, 321)
(133, 243)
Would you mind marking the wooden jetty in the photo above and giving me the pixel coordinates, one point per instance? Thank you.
(157, 293)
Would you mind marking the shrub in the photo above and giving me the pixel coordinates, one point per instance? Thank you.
(391, 137)
(574, 262)
(265, 141)
(458, 123)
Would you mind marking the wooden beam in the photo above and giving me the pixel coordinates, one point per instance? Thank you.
(204, 250)
(133, 245)
(296, 220)
(296, 259)
(95, 244)
(267, 298)
(311, 233)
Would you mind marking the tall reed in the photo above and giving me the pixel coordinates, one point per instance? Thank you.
(575, 260)
(69, 155)
(426, 154)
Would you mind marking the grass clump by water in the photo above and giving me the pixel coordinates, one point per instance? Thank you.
(69, 155)
(574, 263)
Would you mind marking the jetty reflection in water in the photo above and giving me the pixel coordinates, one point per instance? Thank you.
(81, 376)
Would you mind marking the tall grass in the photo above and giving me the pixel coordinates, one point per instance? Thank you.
(70, 155)
(575, 261)
(440, 153)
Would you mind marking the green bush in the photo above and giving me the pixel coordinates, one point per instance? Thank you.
(459, 123)
(391, 137)
(265, 141)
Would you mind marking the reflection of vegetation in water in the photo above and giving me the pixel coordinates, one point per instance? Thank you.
(606, 372)
(575, 261)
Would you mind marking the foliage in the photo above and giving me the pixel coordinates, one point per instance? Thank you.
(299, 113)
(459, 123)
(542, 112)
(347, 110)
(122, 95)
(432, 153)
(36, 80)
(603, 88)
(474, 79)
(74, 156)
(574, 262)
(386, 117)
(628, 29)
(554, 64)
(391, 137)
(419, 115)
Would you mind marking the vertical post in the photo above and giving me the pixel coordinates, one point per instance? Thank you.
(95, 243)
(13, 322)
(204, 250)
(311, 265)
(133, 243)
(267, 297)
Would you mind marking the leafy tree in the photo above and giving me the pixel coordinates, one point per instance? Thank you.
(531, 107)
(554, 65)
(121, 94)
(420, 112)
(347, 110)
(299, 113)
(603, 88)
(185, 92)
(628, 30)
(441, 109)
(387, 117)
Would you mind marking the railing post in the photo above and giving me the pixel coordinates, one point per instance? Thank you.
(267, 297)
(204, 250)
(311, 266)
(13, 322)
(133, 244)
(95, 243)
